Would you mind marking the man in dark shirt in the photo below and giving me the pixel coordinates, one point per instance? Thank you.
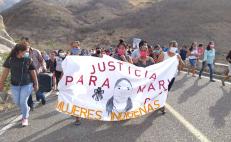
(98, 53)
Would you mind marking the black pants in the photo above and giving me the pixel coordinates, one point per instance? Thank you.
(171, 83)
(58, 75)
(30, 101)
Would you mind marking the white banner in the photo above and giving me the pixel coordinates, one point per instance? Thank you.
(111, 90)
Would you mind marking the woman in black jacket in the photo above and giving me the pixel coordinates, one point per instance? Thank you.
(23, 78)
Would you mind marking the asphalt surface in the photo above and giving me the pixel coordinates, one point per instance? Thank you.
(205, 105)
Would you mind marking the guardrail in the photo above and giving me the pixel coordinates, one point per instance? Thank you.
(218, 70)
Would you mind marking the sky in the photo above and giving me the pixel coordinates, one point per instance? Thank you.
(4, 4)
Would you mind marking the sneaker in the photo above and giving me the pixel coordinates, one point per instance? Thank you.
(43, 101)
(212, 80)
(25, 122)
(57, 93)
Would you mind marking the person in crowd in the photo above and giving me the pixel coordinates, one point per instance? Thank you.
(193, 56)
(209, 57)
(103, 52)
(228, 72)
(129, 51)
(92, 51)
(120, 52)
(51, 67)
(75, 51)
(40, 66)
(143, 60)
(108, 52)
(150, 50)
(157, 54)
(183, 52)
(183, 55)
(75, 48)
(200, 51)
(165, 49)
(98, 53)
(84, 52)
(172, 51)
(23, 78)
(45, 56)
(58, 66)
(136, 53)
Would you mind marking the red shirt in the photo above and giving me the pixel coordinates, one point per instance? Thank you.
(200, 51)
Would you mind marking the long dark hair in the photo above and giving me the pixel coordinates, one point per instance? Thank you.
(208, 47)
(121, 43)
(191, 48)
(14, 52)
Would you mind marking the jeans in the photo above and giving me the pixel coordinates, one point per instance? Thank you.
(20, 97)
(210, 69)
(40, 96)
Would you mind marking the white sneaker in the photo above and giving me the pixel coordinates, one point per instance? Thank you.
(25, 122)
(57, 93)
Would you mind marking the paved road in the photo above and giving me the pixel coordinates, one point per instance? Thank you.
(205, 105)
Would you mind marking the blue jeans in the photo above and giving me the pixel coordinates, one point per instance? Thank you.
(20, 97)
(210, 69)
(40, 96)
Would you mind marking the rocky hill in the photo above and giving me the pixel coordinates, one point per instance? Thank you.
(6, 42)
(105, 21)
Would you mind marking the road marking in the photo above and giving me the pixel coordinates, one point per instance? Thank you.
(187, 124)
(14, 121)
(10, 125)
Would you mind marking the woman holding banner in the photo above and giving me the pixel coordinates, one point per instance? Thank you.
(173, 50)
(143, 60)
(157, 54)
(120, 53)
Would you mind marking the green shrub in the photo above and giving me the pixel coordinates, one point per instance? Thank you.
(7, 82)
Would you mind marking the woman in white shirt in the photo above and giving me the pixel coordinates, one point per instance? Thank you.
(193, 56)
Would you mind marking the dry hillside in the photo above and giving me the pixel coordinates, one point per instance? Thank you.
(6, 42)
(105, 21)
